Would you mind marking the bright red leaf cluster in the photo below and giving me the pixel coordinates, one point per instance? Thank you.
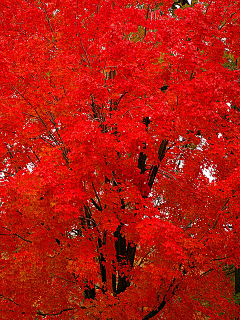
(119, 140)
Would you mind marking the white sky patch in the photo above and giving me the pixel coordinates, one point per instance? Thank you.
(180, 164)
(201, 144)
(55, 12)
(229, 105)
(209, 173)
(30, 167)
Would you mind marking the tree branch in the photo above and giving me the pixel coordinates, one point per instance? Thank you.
(160, 307)
(2, 296)
(85, 51)
(40, 313)
(17, 235)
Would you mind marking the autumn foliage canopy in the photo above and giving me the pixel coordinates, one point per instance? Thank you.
(119, 159)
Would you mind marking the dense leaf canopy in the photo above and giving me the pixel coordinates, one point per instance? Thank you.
(119, 140)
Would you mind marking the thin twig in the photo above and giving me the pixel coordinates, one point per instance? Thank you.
(44, 139)
(40, 313)
(208, 7)
(85, 51)
(47, 18)
(17, 235)
(100, 205)
(130, 110)
(10, 174)
(1, 296)
(63, 278)
(31, 160)
(205, 273)
(143, 258)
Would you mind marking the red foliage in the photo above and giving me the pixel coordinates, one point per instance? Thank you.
(111, 114)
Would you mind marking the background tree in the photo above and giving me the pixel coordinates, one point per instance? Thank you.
(111, 114)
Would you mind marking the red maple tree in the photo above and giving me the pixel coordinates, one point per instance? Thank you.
(119, 139)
